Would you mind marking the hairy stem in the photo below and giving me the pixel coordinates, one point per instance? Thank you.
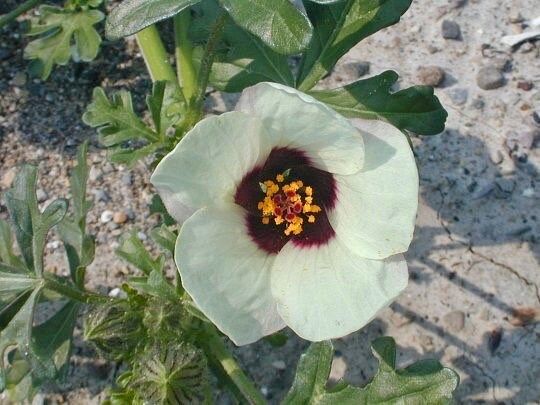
(13, 14)
(208, 57)
(187, 75)
(69, 292)
(226, 366)
(155, 55)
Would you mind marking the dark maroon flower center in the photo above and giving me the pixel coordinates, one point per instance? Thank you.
(285, 199)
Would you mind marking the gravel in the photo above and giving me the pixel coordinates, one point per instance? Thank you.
(430, 75)
(451, 30)
(489, 78)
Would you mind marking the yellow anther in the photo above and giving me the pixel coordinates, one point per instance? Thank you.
(280, 178)
(307, 208)
(311, 218)
(315, 208)
(260, 205)
(278, 220)
(309, 191)
(266, 220)
(300, 183)
(309, 200)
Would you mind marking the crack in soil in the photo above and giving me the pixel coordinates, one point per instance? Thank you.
(470, 248)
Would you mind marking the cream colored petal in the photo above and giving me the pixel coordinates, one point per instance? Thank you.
(208, 163)
(227, 276)
(329, 292)
(296, 120)
(376, 208)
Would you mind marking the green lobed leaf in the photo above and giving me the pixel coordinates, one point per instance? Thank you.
(31, 226)
(414, 109)
(277, 23)
(242, 59)
(121, 130)
(63, 33)
(133, 251)
(425, 382)
(80, 246)
(340, 26)
(12, 284)
(131, 16)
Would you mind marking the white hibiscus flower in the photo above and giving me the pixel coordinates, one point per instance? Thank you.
(291, 216)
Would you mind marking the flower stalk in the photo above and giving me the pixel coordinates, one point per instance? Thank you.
(155, 55)
(224, 364)
(13, 14)
(186, 72)
(69, 292)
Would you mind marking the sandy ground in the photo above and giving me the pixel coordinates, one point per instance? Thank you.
(474, 259)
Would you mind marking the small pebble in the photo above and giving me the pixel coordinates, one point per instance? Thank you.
(458, 95)
(142, 235)
(524, 85)
(496, 157)
(451, 30)
(127, 179)
(515, 17)
(455, 320)
(120, 217)
(41, 195)
(53, 245)
(8, 177)
(356, 69)
(489, 78)
(19, 79)
(106, 216)
(505, 185)
(528, 192)
(102, 195)
(279, 364)
(430, 75)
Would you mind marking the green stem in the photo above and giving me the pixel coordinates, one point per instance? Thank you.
(67, 291)
(208, 58)
(184, 55)
(219, 355)
(155, 55)
(13, 14)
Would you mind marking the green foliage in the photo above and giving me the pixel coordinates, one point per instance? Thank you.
(115, 328)
(121, 130)
(133, 251)
(340, 26)
(425, 382)
(242, 59)
(30, 353)
(414, 109)
(63, 33)
(165, 374)
(131, 16)
(277, 23)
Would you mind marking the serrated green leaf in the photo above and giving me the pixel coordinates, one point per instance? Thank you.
(277, 23)
(133, 251)
(132, 16)
(340, 26)
(63, 34)
(164, 237)
(156, 285)
(121, 130)
(425, 382)
(242, 59)
(157, 207)
(414, 109)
